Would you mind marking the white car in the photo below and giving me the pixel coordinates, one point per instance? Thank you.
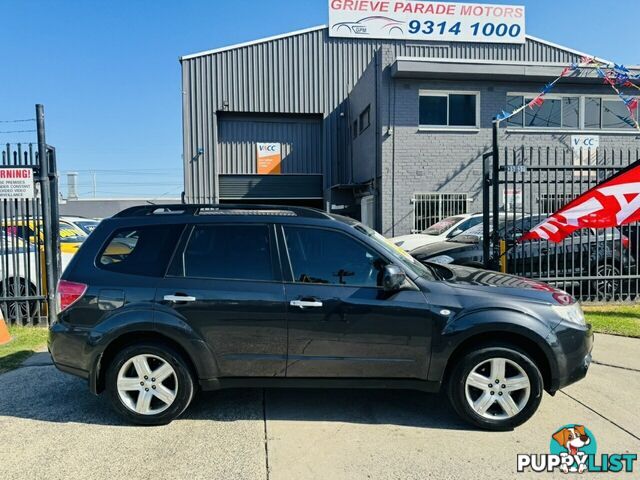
(85, 225)
(439, 232)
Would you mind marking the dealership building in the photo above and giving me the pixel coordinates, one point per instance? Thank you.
(391, 131)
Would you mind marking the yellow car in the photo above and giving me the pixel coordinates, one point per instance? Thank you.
(70, 237)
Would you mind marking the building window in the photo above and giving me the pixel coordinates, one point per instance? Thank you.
(430, 208)
(570, 112)
(354, 129)
(449, 110)
(365, 119)
(555, 112)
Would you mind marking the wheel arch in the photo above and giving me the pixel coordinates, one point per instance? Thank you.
(506, 339)
(97, 379)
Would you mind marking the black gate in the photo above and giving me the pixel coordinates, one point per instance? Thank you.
(29, 237)
(526, 184)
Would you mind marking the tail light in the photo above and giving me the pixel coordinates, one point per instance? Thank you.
(625, 242)
(69, 293)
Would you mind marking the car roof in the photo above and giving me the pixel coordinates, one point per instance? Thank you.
(208, 210)
(77, 219)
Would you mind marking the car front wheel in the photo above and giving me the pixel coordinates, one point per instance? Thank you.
(496, 388)
(149, 384)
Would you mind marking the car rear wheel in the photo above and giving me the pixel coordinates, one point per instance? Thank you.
(149, 384)
(496, 388)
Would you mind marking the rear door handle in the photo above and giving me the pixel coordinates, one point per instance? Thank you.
(179, 298)
(305, 303)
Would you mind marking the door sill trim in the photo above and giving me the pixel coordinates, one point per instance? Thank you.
(354, 383)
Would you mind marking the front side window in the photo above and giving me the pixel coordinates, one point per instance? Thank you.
(448, 109)
(226, 252)
(331, 258)
(140, 250)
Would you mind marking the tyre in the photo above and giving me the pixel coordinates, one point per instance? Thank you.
(495, 387)
(149, 383)
(20, 311)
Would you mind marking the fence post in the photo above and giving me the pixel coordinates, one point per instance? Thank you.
(45, 194)
(495, 184)
(486, 210)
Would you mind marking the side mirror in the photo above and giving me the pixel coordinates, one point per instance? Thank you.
(393, 278)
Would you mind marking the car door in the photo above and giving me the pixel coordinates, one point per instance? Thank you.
(341, 322)
(226, 283)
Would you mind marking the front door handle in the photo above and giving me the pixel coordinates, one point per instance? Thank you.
(305, 303)
(179, 298)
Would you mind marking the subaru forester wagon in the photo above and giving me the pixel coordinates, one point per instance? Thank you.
(161, 301)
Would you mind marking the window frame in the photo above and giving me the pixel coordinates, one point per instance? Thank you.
(182, 245)
(447, 94)
(365, 114)
(582, 114)
(287, 265)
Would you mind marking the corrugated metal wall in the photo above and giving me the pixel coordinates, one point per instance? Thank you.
(300, 138)
(308, 73)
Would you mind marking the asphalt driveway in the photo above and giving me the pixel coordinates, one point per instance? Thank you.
(52, 428)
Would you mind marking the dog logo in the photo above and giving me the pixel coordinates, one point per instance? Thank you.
(574, 440)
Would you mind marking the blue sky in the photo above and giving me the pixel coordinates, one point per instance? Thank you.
(108, 72)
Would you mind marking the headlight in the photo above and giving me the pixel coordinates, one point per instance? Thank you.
(570, 313)
(441, 260)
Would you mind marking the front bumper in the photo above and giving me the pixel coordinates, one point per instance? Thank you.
(572, 346)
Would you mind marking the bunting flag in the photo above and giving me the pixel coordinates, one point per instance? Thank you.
(538, 101)
(612, 203)
(617, 77)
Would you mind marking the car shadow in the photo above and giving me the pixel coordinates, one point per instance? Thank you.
(42, 393)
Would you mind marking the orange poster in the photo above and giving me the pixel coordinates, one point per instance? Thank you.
(269, 158)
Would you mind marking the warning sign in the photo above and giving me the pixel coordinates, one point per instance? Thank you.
(16, 183)
(269, 158)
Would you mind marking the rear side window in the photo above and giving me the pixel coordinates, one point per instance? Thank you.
(228, 252)
(140, 250)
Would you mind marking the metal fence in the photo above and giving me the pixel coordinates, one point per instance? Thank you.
(594, 265)
(430, 208)
(29, 245)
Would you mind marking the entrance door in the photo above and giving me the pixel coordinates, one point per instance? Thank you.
(341, 323)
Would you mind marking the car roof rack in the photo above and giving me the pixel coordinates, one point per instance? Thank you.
(221, 209)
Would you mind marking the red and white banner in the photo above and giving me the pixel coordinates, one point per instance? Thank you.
(612, 203)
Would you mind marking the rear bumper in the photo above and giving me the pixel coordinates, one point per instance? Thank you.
(572, 346)
(68, 349)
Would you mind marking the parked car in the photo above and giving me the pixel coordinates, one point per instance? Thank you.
(240, 296)
(438, 232)
(86, 225)
(32, 231)
(589, 260)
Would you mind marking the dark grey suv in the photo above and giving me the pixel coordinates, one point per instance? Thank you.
(163, 300)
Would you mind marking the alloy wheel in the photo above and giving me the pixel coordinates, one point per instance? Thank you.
(497, 389)
(605, 287)
(147, 384)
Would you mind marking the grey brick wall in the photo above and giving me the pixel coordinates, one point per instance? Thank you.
(415, 161)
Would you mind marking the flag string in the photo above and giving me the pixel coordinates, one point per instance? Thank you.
(617, 77)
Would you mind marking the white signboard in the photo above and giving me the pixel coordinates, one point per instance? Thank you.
(585, 153)
(420, 20)
(16, 183)
(586, 142)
